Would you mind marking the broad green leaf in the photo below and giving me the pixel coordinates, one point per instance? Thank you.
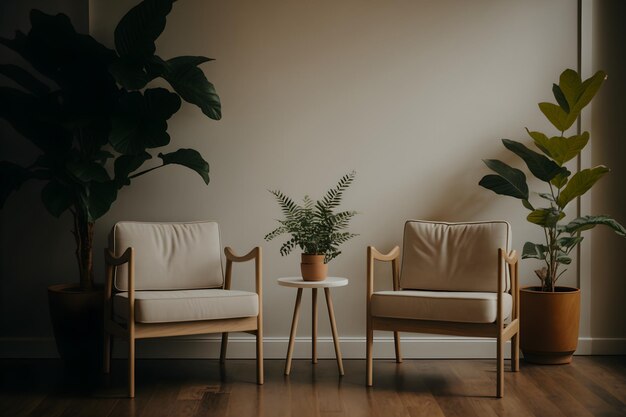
(541, 167)
(571, 86)
(141, 122)
(589, 89)
(56, 197)
(25, 79)
(130, 73)
(589, 222)
(125, 164)
(560, 180)
(510, 181)
(101, 196)
(140, 27)
(580, 183)
(534, 250)
(560, 97)
(86, 171)
(562, 258)
(561, 149)
(557, 116)
(569, 241)
(190, 82)
(545, 217)
(189, 158)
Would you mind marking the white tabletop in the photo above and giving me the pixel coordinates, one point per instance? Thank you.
(298, 282)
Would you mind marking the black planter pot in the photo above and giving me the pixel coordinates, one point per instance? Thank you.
(77, 320)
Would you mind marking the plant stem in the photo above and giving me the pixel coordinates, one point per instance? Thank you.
(83, 234)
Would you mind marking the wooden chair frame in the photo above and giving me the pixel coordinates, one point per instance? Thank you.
(499, 329)
(132, 331)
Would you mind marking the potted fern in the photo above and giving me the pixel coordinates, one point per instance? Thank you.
(315, 228)
(549, 313)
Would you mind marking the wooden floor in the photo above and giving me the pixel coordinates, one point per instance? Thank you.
(589, 386)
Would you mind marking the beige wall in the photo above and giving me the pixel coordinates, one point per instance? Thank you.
(608, 279)
(411, 94)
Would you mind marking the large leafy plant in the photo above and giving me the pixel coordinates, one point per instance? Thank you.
(95, 118)
(314, 226)
(561, 237)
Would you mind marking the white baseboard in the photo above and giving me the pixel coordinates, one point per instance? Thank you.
(243, 347)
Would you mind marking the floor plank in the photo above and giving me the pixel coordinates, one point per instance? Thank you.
(590, 386)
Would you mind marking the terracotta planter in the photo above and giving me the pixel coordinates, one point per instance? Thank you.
(313, 268)
(549, 324)
(77, 320)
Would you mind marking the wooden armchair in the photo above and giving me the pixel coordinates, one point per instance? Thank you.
(449, 284)
(165, 279)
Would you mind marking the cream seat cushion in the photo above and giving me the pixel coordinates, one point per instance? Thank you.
(464, 307)
(187, 305)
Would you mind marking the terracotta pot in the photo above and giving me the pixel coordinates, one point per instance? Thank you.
(77, 320)
(549, 324)
(313, 268)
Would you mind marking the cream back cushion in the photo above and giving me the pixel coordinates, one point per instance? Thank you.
(169, 256)
(453, 256)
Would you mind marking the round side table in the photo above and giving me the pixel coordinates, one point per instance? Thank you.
(300, 284)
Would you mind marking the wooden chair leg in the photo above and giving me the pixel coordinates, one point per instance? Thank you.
(515, 353)
(396, 340)
(369, 346)
(131, 367)
(224, 347)
(106, 363)
(259, 353)
(500, 367)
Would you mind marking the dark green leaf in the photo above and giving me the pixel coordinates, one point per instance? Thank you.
(126, 164)
(101, 196)
(541, 167)
(129, 73)
(190, 82)
(86, 171)
(560, 180)
(141, 122)
(560, 97)
(510, 181)
(562, 258)
(189, 158)
(140, 27)
(533, 250)
(580, 183)
(24, 78)
(527, 204)
(56, 197)
(589, 222)
(547, 196)
(545, 217)
(569, 242)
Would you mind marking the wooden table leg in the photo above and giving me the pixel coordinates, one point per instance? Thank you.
(294, 327)
(314, 325)
(333, 326)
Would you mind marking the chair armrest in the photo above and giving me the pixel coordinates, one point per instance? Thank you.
(111, 261)
(510, 260)
(374, 255)
(256, 254)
